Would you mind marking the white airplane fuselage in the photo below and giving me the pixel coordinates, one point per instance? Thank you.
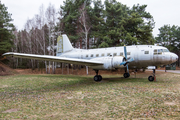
(143, 55)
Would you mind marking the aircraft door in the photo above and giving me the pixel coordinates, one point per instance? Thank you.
(145, 56)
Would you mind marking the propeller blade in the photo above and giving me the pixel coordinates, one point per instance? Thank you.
(123, 63)
(125, 52)
(125, 60)
(130, 60)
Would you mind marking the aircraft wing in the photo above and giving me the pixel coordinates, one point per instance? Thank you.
(55, 59)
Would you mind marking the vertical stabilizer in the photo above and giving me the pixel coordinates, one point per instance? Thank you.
(63, 45)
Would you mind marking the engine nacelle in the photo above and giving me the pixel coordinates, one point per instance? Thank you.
(109, 63)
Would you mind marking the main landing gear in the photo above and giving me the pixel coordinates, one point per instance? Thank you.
(126, 75)
(152, 78)
(97, 77)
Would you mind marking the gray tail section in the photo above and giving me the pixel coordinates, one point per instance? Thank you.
(63, 45)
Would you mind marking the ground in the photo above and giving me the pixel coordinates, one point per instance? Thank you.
(42, 96)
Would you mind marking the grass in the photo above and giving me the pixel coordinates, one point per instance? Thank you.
(79, 97)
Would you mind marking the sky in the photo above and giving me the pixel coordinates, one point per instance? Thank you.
(163, 11)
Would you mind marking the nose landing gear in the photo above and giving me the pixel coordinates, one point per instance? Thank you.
(153, 77)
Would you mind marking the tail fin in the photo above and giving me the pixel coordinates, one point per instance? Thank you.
(63, 45)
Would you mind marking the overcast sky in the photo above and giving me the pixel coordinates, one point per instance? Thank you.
(163, 11)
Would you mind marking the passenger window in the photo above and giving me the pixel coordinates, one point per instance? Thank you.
(128, 53)
(114, 54)
(146, 52)
(86, 55)
(159, 51)
(108, 54)
(97, 55)
(91, 55)
(121, 54)
(102, 54)
(155, 51)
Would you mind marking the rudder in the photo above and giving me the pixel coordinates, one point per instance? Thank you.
(63, 44)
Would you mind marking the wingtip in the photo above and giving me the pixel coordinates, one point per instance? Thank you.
(8, 54)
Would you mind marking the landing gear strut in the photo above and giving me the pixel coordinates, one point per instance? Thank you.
(97, 77)
(152, 78)
(126, 74)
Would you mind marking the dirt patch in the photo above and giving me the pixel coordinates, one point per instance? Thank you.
(170, 103)
(6, 70)
(11, 110)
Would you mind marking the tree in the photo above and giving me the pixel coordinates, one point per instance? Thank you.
(69, 21)
(85, 24)
(169, 37)
(128, 26)
(143, 24)
(97, 24)
(115, 12)
(6, 30)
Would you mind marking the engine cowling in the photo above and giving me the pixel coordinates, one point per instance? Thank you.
(109, 63)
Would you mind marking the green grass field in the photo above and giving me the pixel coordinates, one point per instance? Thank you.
(79, 97)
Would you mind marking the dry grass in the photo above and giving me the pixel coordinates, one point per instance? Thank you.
(79, 97)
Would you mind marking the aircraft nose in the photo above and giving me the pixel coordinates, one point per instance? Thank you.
(174, 57)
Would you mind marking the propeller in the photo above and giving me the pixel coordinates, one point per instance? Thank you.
(126, 60)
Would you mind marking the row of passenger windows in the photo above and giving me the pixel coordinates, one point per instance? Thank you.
(156, 51)
(108, 54)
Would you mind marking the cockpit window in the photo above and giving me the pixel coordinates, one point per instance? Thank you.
(155, 52)
(165, 50)
(160, 51)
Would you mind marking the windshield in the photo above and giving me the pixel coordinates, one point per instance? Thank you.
(160, 51)
(165, 50)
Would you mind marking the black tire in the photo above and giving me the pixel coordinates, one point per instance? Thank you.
(126, 75)
(151, 78)
(96, 78)
(100, 77)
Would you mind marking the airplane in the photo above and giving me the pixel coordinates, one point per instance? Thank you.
(124, 57)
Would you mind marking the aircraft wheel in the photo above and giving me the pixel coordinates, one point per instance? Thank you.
(151, 78)
(126, 75)
(100, 77)
(96, 78)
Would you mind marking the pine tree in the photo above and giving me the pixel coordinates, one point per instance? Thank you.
(143, 24)
(98, 23)
(69, 20)
(169, 37)
(116, 15)
(6, 29)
